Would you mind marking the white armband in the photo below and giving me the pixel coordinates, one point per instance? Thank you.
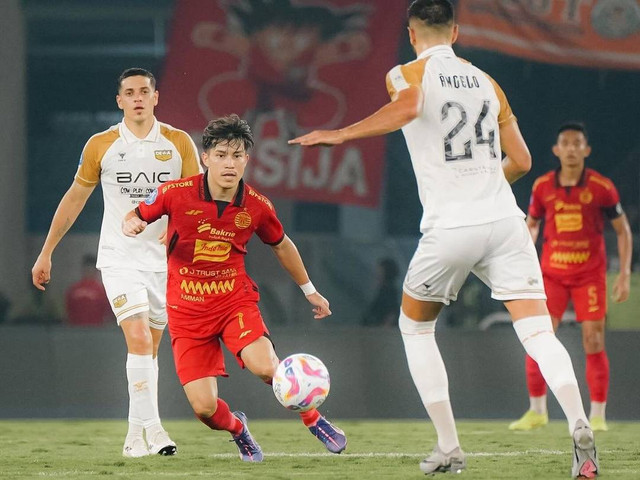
(308, 288)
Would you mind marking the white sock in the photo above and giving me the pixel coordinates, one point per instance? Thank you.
(598, 410)
(430, 377)
(152, 429)
(538, 404)
(537, 337)
(143, 389)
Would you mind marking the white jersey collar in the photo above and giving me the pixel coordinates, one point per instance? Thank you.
(129, 137)
(437, 50)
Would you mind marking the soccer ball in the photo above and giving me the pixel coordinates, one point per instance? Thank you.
(301, 382)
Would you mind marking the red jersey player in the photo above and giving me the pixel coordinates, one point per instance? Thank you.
(210, 297)
(573, 202)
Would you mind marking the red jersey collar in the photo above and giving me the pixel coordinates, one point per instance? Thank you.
(206, 194)
(581, 182)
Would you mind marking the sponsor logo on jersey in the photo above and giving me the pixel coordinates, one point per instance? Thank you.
(211, 251)
(568, 222)
(151, 177)
(188, 183)
(119, 301)
(193, 212)
(585, 196)
(163, 155)
(560, 205)
(213, 231)
(262, 198)
(207, 288)
(152, 197)
(196, 272)
(242, 220)
(571, 258)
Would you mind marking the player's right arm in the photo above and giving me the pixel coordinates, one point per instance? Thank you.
(66, 214)
(518, 159)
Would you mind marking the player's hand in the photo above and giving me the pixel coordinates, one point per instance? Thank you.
(163, 237)
(319, 137)
(41, 272)
(621, 288)
(133, 226)
(320, 304)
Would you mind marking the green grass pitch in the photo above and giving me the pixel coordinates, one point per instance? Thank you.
(77, 449)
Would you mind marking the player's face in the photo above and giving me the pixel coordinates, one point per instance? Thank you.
(137, 98)
(571, 148)
(226, 163)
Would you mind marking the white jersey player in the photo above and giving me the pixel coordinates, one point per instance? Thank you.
(130, 160)
(457, 122)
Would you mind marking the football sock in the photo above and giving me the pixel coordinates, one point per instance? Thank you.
(597, 372)
(310, 417)
(223, 419)
(142, 387)
(537, 337)
(538, 404)
(430, 377)
(598, 409)
(535, 381)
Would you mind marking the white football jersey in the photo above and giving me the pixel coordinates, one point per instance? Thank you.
(129, 169)
(455, 142)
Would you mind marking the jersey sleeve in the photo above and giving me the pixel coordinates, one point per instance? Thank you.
(505, 114)
(189, 154)
(154, 206)
(536, 207)
(270, 230)
(401, 77)
(88, 174)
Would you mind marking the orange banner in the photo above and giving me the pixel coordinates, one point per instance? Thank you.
(590, 33)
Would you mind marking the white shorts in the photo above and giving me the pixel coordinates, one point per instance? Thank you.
(501, 254)
(133, 291)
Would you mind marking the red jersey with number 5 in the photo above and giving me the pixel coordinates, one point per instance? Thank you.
(206, 244)
(574, 222)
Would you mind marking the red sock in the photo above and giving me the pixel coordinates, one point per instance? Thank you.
(223, 419)
(535, 381)
(597, 372)
(310, 417)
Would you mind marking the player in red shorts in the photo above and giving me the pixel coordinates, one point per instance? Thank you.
(573, 202)
(210, 297)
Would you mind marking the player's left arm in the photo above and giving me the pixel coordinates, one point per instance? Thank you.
(404, 108)
(289, 257)
(622, 284)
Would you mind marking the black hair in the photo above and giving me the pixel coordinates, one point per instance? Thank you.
(434, 13)
(229, 129)
(136, 72)
(575, 127)
(255, 15)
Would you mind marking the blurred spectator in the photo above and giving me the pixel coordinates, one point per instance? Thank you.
(36, 307)
(86, 300)
(385, 306)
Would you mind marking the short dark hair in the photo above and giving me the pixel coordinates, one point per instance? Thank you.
(575, 127)
(434, 13)
(136, 72)
(229, 129)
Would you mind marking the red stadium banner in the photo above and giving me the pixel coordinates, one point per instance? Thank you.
(589, 33)
(287, 67)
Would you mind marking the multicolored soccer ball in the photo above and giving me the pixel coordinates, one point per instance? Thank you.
(301, 382)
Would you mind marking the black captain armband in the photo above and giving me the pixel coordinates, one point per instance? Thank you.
(137, 212)
(614, 211)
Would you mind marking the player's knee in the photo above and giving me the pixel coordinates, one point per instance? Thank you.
(265, 370)
(204, 407)
(139, 340)
(593, 343)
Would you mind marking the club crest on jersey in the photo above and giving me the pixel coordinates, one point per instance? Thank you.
(152, 197)
(120, 300)
(163, 155)
(242, 220)
(586, 196)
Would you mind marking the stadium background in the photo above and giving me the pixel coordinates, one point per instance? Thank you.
(59, 61)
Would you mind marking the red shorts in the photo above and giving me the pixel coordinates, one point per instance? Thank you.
(589, 296)
(197, 352)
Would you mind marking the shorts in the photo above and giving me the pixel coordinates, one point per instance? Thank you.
(197, 351)
(589, 296)
(500, 253)
(133, 291)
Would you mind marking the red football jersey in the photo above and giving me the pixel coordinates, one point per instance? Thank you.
(206, 243)
(574, 221)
